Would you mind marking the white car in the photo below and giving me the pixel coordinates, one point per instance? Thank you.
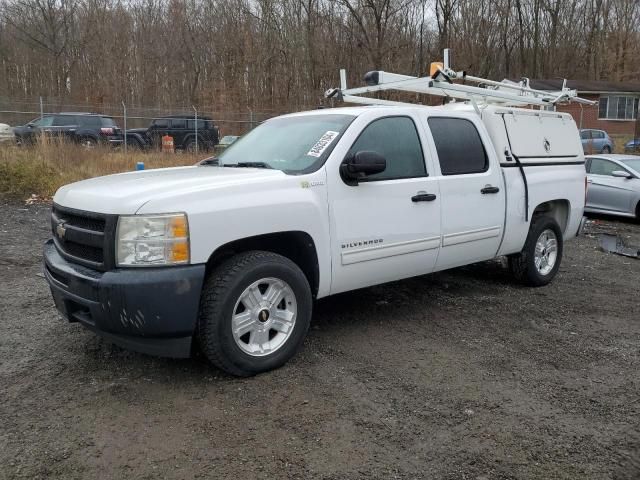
(613, 185)
(6, 133)
(233, 254)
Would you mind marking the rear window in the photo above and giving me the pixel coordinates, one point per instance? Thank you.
(459, 146)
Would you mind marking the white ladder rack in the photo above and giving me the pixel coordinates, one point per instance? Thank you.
(487, 92)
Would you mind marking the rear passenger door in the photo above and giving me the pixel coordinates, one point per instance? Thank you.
(159, 128)
(471, 192)
(178, 130)
(64, 126)
(598, 140)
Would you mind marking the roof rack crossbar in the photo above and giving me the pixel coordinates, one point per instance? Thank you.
(440, 84)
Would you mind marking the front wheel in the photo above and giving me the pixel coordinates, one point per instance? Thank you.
(254, 313)
(539, 260)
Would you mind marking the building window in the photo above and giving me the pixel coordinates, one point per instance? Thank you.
(618, 108)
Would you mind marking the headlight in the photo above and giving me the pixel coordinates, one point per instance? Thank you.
(152, 240)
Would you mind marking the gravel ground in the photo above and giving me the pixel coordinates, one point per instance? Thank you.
(458, 375)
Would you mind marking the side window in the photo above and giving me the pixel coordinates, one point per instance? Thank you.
(64, 120)
(191, 124)
(598, 134)
(600, 166)
(90, 121)
(395, 138)
(460, 148)
(43, 122)
(178, 123)
(160, 123)
(585, 134)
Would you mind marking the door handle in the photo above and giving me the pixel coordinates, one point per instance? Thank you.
(489, 189)
(423, 197)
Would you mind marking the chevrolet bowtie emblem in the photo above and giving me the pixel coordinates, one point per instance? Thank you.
(60, 230)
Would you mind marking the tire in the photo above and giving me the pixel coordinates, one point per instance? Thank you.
(606, 149)
(228, 301)
(88, 142)
(190, 146)
(524, 264)
(134, 144)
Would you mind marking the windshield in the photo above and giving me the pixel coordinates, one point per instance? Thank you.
(292, 144)
(633, 163)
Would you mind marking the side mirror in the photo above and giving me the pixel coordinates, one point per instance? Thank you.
(360, 165)
(621, 174)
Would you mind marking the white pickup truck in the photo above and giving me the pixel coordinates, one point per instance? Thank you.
(230, 254)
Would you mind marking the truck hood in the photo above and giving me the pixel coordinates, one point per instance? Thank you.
(125, 193)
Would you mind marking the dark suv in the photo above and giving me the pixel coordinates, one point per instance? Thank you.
(183, 130)
(88, 129)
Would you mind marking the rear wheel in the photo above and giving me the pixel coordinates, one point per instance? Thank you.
(89, 142)
(190, 146)
(254, 313)
(539, 260)
(606, 149)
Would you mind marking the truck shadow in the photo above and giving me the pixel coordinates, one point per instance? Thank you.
(360, 307)
(420, 292)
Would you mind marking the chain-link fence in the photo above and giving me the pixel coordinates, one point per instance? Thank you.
(19, 112)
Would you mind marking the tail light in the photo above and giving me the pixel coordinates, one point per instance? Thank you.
(106, 130)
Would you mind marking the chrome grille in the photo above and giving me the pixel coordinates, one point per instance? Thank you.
(83, 237)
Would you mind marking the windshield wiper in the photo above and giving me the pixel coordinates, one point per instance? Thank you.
(248, 165)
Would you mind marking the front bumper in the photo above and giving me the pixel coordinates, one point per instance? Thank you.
(148, 310)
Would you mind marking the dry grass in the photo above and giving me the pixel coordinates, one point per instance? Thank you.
(43, 168)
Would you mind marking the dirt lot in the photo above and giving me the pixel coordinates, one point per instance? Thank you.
(458, 375)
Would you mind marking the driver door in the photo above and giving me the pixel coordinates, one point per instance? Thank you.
(386, 227)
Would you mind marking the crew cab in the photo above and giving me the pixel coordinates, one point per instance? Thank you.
(229, 255)
(186, 131)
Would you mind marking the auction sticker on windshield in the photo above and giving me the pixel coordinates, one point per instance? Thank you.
(322, 144)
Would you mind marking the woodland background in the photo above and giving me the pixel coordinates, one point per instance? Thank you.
(274, 55)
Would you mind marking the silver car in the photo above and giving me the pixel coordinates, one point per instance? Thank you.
(613, 185)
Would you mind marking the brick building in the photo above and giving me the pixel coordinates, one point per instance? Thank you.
(616, 111)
